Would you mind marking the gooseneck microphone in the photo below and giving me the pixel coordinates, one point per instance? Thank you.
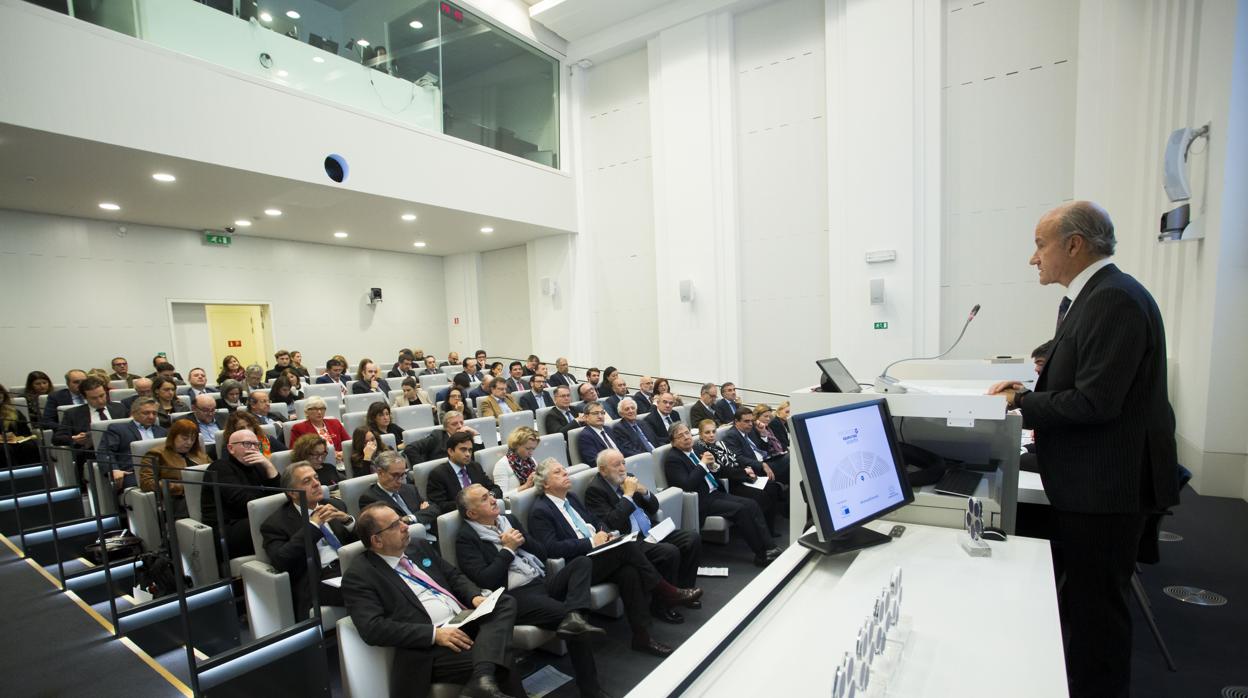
(887, 384)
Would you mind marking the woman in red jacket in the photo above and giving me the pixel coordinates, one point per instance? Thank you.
(327, 428)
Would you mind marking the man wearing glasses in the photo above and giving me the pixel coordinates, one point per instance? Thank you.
(393, 490)
(204, 410)
(243, 464)
(594, 438)
(121, 372)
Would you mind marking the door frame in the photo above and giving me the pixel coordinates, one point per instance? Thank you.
(265, 307)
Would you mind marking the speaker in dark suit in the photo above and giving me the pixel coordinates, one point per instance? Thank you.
(1104, 433)
(285, 535)
(397, 592)
(676, 556)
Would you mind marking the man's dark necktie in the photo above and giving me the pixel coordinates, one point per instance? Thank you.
(1061, 310)
(100, 410)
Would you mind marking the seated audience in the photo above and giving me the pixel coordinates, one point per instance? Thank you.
(65, 396)
(334, 374)
(770, 498)
(493, 552)
(115, 446)
(364, 445)
(158, 363)
(204, 411)
(413, 394)
(433, 445)
(1040, 355)
(182, 449)
(663, 416)
(231, 395)
(515, 381)
(514, 471)
(259, 406)
(607, 385)
(20, 446)
(536, 398)
(480, 390)
(243, 463)
(167, 370)
(142, 388)
(282, 357)
(704, 408)
(562, 375)
(328, 428)
(452, 359)
(587, 393)
(165, 390)
(121, 371)
(409, 615)
(592, 376)
(748, 447)
(369, 380)
(622, 503)
(764, 418)
(565, 417)
(632, 435)
(619, 391)
(531, 365)
(198, 382)
(37, 383)
(459, 471)
(312, 449)
(402, 368)
(684, 469)
(380, 422)
(393, 489)
(246, 420)
(74, 429)
(662, 385)
(780, 424)
(296, 364)
(285, 533)
(287, 388)
(231, 370)
(431, 367)
(564, 528)
(455, 402)
(472, 371)
(498, 403)
(254, 378)
(645, 395)
(729, 403)
(495, 370)
(594, 437)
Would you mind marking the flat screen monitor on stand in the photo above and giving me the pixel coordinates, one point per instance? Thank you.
(835, 378)
(853, 473)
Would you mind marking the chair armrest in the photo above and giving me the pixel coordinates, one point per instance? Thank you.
(689, 513)
(267, 593)
(198, 551)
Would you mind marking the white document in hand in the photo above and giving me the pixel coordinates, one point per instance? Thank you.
(759, 482)
(626, 538)
(467, 617)
(660, 530)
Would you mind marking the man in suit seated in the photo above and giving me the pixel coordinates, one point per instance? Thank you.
(537, 397)
(402, 368)
(142, 388)
(68, 395)
(515, 380)
(458, 472)
(684, 469)
(393, 489)
(632, 435)
(285, 533)
(472, 371)
(750, 450)
(704, 408)
(204, 411)
(562, 375)
(400, 594)
(369, 380)
(158, 362)
(121, 371)
(452, 359)
(166, 370)
(564, 417)
(728, 405)
(242, 464)
(623, 503)
(431, 366)
(334, 370)
(258, 405)
(619, 391)
(564, 528)
(663, 416)
(498, 402)
(115, 446)
(282, 357)
(493, 551)
(594, 437)
(593, 375)
(198, 380)
(587, 393)
(75, 427)
(433, 445)
(645, 395)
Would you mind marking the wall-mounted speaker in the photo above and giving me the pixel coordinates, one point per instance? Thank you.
(374, 296)
(686, 291)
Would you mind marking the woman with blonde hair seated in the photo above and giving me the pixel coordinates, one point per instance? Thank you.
(514, 471)
(182, 449)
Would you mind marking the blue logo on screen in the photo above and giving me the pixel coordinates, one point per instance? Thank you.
(850, 436)
(845, 511)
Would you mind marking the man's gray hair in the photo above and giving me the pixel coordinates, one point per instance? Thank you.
(541, 472)
(140, 403)
(288, 475)
(255, 370)
(623, 400)
(382, 460)
(251, 397)
(1090, 220)
(604, 455)
(451, 414)
(707, 388)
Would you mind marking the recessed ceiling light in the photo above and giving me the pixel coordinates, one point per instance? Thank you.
(292, 14)
(272, 211)
(282, 73)
(362, 42)
(266, 17)
(109, 206)
(340, 234)
(318, 59)
(164, 177)
(418, 244)
(243, 223)
(416, 24)
(487, 230)
(408, 217)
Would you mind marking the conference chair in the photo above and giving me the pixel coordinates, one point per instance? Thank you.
(360, 403)
(411, 436)
(419, 475)
(683, 411)
(196, 542)
(121, 394)
(281, 460)
(574, 452)
(413, 416)
(118, 385)
(487, 428)
(349, 491)
(333, 408)
(552, 446)
(540, 419)
(351, 420)
(511, 421)
(432, 381)
(487, 457)
(330, 391)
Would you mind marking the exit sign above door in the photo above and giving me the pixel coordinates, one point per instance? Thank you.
(215, 238)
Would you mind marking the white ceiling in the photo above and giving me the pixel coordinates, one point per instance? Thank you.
(577, 19)
(71, 176)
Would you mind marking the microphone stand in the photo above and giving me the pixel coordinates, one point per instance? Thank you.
(886, 384)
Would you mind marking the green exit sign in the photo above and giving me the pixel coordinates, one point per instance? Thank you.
(881, 325)
(214, 238)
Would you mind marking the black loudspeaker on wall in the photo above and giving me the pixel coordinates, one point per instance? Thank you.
(374, 296)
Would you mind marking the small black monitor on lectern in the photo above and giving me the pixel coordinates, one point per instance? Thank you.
(836, 378)
(853, 473)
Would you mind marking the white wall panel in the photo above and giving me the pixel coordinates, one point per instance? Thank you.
(505, 326)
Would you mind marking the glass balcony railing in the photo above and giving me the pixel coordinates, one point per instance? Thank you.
(427, 63)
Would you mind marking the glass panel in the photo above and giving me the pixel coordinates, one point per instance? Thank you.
(396, 58)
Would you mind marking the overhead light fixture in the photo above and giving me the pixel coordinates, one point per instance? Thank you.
(416, 24)
(362, 42)
(318, 59)
(418, 243)
(282, 73)
(487, 230)
(266, 17)
(164, 177)
(409, 217)
(272, 211)
(109, 206)
(243, 223)
(340, 234)
(292, 14)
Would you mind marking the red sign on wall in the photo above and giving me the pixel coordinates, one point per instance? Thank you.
(235, 342)
(456, 321)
